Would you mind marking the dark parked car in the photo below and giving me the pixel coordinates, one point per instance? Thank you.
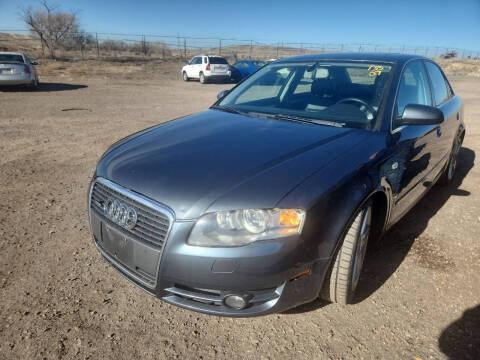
(268, 199)
(244, 68)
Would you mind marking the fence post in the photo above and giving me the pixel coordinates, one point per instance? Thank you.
(184, 48)
(251, 49)
(98, 48)
(219, 46)
(178, 47)
(277, 50)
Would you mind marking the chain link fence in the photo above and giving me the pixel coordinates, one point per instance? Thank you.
(125, 47)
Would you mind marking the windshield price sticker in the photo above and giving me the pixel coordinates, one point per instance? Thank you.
(375, 70)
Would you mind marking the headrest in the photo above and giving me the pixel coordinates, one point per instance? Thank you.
(322, 87)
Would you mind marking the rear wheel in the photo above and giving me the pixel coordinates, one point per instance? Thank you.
(185, 76)
(34, 84)
(342, 281)
(202, 78)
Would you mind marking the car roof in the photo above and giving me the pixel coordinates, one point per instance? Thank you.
(219, 56)
(10, 53)
(356, 56)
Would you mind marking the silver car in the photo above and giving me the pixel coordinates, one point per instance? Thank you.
(17, 69)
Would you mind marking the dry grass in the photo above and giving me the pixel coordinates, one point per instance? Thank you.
(460, 67)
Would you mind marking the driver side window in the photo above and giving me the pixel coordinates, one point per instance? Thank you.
(414, 87)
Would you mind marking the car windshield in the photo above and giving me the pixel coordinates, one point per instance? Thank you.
(334, 93)
(11, 58)
(218, 60)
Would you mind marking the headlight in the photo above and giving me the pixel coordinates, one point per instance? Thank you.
(241, 227)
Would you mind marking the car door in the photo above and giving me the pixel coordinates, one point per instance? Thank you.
(444, 101)
(413, 146)
(196, 66)
(189, 68)
(240, 66)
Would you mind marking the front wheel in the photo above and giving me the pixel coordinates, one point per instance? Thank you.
(202, 78)
(185, 76)
(342, 282)
(449, 171)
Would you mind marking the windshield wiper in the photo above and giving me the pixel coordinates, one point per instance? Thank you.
(227, 109)
(308, 120)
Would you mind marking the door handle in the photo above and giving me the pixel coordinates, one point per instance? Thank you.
(439, 131)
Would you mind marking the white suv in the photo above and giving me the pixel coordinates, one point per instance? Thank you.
(206, 67)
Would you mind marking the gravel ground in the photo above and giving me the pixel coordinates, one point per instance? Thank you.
(418, 298)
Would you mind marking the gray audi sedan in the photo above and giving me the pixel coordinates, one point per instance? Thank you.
(17, 69)
(268, 199)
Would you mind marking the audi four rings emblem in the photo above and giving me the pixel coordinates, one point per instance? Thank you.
(119, 213)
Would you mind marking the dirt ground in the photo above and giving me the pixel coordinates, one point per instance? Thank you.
(419, 296)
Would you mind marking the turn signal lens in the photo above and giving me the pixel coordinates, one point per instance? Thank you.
(289, 218)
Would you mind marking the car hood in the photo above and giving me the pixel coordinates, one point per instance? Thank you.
(215, 160)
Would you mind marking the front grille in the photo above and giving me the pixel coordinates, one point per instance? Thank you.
(153, 222)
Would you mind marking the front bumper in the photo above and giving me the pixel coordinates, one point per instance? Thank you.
(199, 278)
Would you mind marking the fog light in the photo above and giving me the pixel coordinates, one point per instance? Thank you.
(235, 301)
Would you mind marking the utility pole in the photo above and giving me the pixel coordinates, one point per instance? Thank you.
(251, 49)
(178, 46)
(98, 48)
(219, 46)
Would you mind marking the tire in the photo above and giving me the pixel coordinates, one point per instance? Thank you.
(449, 172)
(342, 280)
(202, 78)
(34, 85)
(185, 76)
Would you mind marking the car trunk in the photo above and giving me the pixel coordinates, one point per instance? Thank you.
(219, 68)
(11, 68)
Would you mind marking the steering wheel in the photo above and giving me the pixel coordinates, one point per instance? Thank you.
(371, 110)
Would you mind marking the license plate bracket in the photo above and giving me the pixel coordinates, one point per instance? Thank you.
(132, 255)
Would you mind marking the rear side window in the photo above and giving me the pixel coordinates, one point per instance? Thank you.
(439, 84)
(218, 60)
(413, 88)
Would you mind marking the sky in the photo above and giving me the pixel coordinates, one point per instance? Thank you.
(446, 23)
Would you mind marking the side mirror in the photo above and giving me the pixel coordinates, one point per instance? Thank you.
(34, 63)
(414, 114)
(222, 93)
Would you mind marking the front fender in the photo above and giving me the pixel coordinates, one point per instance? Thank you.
(330, 210)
